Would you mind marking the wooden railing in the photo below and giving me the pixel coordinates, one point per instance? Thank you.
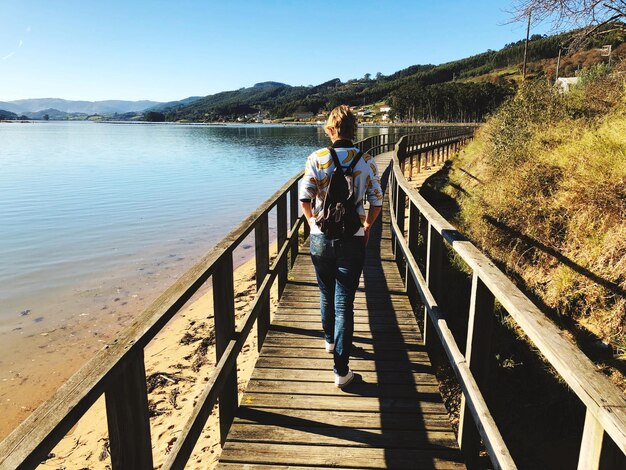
(604, 435)
(119, 373)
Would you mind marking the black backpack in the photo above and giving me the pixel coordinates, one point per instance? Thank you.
(338, 217)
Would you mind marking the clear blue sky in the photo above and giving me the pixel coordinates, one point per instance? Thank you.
(168, 50)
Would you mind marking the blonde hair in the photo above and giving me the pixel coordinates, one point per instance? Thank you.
(342, 121)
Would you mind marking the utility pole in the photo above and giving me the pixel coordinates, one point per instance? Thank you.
(526, 44)
(558, 63)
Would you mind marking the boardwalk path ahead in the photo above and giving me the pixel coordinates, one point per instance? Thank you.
(292, 415)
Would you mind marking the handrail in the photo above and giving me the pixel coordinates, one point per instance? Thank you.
(604, 433)
(498, 451)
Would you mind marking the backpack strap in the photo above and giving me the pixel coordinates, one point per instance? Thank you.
(355, 160)
(353, 163)
(335, 159)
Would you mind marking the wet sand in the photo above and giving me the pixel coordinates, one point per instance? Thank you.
(179, 362)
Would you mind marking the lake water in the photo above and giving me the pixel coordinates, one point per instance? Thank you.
(96, 220)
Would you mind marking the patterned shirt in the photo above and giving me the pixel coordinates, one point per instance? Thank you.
(319, 167)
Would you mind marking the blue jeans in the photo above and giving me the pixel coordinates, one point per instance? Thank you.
(338, 264)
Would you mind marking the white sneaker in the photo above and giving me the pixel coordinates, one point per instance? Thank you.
(345, 380)
(330, 347)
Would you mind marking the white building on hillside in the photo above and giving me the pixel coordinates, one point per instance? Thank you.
(564, 83)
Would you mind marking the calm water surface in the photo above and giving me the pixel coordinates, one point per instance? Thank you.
(97, 220)
(88, 208)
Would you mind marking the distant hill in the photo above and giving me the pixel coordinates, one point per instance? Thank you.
(68, 106)
(466, 90)
(268, 84)
(173, 104)
(8, 115)
(55, 115)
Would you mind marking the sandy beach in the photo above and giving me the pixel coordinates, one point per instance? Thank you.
(179, 362)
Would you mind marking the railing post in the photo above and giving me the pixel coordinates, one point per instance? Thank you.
(224, 311)
(400, 203)
(434, 266)
(127, 417)
(293, 218)
(597, 449)
(281, 232)
(477, 350)
(393, 206)
(262, 257)
(412, 241)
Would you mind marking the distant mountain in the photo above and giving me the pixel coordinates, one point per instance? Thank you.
(238, 102)
(68, 106)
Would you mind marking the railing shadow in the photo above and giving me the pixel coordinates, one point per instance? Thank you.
(530, 241)
(374, 276)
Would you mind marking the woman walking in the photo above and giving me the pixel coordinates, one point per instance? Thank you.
(338, 253)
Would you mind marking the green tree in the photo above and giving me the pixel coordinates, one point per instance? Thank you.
(153, 116)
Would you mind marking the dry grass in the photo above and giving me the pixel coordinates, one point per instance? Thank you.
(544, 192)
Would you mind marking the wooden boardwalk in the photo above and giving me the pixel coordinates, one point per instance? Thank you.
(292, 415)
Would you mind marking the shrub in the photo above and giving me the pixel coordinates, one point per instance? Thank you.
(547, 196)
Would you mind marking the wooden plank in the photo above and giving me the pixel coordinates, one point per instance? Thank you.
(338, 436)
(361, 419)
(312, 321)
(293, 217)
(224, 308)
(357, 363)
(320, 353)
(345, 402)
(477, 351)
(597, 450)
(359, 347)
(358, 305)
(127, 418)
(281, 233)
(358, 327)
(352, 457)
(370, 314)
(591, 445)
(362, 337)
(400, 206)
(390, 377)
(262, 260)
(362, 388)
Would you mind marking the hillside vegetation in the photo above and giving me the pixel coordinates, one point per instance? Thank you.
(542, 189)
(468, 89)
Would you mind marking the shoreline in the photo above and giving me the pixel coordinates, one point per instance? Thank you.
(38, 360)
(373, 125)
(179, 361)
